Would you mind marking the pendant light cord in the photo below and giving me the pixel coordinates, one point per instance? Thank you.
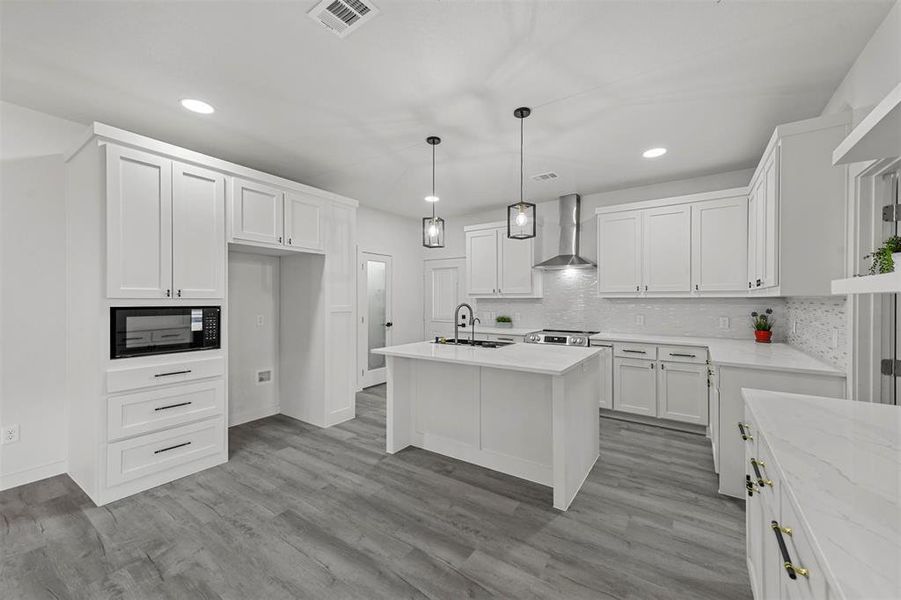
(521, 171)
(433, 183)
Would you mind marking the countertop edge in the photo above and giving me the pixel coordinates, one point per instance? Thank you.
(472, 363)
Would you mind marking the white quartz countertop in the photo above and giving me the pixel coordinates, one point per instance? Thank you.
(840, 462)
(736, 353)
(533, 358)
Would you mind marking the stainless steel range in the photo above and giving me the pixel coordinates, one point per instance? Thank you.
(561, 337)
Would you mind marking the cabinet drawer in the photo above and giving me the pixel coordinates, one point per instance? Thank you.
(156, 452)
(150, 375)
(642, 351)
(800, 552)
(682, 354)
(143, 412)
(497, 337)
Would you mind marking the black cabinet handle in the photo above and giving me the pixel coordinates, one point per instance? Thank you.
(745, 435)
(750, 485)
(682, 355)
(168, 292)
(172, 447)
(761, 480)
(172, 373)
(172, 406)
(389, 324)
(696, 287)
(634, 351)
(792, 570)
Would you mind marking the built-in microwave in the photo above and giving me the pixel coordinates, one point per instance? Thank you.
(146, 330)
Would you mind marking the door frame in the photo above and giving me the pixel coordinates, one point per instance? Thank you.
(366, 377)
(867, 318)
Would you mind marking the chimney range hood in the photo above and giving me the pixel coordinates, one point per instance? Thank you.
(570, 234)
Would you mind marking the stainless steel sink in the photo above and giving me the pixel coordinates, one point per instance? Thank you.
(479, 343)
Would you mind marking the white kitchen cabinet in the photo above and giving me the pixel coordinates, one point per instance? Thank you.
(257, 212)
(682, 392)
(719, 230)
(605, 399)
(635, 386)
(763, 243)
(198, 232)
(619, 252)
(303, 221)
(497, 266)
(666, 252)
(481, 262)
(138, 224)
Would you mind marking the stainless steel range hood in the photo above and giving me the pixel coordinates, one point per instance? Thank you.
(570, 234)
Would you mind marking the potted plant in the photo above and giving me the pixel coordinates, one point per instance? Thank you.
(763, 325)
(504, 321)
(886, 256)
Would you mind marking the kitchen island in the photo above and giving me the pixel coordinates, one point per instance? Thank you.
(526, 410)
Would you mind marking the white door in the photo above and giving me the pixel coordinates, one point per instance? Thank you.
(635, 386)
(619, 252)
(375, 315)
(682, 392)
(198, 232)
(719, 237)
(667, 249)
(516, 260)
(303, 221)
(139, 224)
(481, 262)
(257, 212)
(442, 292)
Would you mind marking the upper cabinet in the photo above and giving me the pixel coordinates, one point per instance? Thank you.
(165, 227)
(497, 266)
(269, 217)
(684, 246)
(796, 212)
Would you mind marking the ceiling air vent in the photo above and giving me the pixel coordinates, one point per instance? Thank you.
(545, 176)
(342, 17)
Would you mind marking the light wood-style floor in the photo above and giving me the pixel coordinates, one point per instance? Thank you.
(300, 512)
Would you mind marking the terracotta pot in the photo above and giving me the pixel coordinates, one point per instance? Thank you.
(763, 337)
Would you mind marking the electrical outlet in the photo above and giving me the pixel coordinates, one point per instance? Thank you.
(10, 434)
(724, 322)
(264, 376)
(259, 320)
(639, 319)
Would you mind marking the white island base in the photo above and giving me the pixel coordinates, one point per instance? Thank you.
(539, 426)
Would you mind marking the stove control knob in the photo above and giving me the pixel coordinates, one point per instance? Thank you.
(577, 341)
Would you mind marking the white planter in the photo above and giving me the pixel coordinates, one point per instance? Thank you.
(503, 325)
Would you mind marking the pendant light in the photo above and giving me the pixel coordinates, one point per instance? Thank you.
(433, 227)
(521, 215)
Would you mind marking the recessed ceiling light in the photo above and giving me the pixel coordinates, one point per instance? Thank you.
(654, 152)
(198, 106)
(431, 198)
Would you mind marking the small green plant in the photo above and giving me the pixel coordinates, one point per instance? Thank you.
(503, 319)
(763, 321)
(882, 257)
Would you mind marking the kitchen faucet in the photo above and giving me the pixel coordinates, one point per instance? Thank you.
(472, 319)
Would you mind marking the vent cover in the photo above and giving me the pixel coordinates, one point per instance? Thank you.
(545, 176)
(342, 17)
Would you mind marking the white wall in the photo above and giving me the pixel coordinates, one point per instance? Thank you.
(32, 291)
(401, 238)
(253, 294)
(876, 71)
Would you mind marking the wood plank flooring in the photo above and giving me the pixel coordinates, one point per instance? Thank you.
(301, 512)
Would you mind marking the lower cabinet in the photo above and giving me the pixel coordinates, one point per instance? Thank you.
(635, 386)
(682, 392)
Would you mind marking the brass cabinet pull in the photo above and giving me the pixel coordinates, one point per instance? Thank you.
(761, 480)
(745, 435)
(790, 568)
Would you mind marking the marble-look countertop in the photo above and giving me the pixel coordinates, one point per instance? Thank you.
(532, 358)
(736, 353)
(840, 463)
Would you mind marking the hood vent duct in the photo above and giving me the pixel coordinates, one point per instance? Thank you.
(570, 234)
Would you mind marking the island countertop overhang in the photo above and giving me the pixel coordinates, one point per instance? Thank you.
(530, 358)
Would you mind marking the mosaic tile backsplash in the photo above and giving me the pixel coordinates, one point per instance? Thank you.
(571, 302)
(819, 327)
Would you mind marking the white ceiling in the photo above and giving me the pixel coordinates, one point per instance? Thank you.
(606, 80)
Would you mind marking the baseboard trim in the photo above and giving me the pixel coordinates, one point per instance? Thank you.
(654, 422)
(32, 474)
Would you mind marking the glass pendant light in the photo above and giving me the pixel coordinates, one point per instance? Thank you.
(433, 227)
(521, 216)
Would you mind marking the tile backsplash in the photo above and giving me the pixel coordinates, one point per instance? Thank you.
(571, 302)
(819, 327)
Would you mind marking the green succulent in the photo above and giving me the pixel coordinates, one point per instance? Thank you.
(503, 319)
(882, 257)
